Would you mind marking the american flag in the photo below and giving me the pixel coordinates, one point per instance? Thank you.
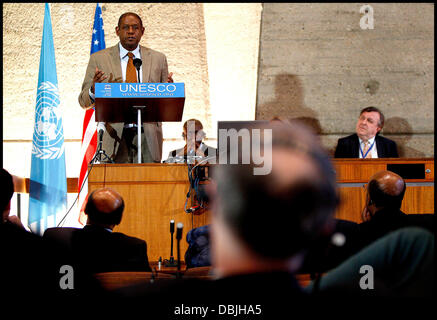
(89, 134)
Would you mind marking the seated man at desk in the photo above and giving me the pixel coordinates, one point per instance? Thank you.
(366, 142)
(193, 135)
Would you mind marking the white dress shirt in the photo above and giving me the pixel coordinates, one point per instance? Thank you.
(372, 151)
(124, 59)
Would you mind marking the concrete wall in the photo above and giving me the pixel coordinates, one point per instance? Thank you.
(212, 48)
(209, 47)
(317, 63)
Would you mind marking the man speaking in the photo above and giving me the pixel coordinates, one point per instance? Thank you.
(115, 64)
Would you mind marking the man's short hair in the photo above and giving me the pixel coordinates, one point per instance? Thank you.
(279, 222)
(383, 199)
(375, 109)
(197, 123)
(129, 14)
(7, 184)
(107, 218)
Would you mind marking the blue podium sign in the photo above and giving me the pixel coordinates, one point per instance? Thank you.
(119, 102)
(140, 90)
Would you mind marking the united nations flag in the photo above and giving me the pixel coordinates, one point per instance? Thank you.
(48, 182)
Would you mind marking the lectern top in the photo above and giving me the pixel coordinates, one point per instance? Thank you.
(140, 90)
(162, 102)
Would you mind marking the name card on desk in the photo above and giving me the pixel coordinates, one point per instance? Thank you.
(140, 90)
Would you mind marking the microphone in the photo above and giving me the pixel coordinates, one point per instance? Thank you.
(137, 64)
(178, 238)
(171, 262)
(101, 129)
(171, 226)
(100, 152)
(171, 248)
(179, 231)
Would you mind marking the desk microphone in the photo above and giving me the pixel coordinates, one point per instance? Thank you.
(178, 239)
(172, 228)
(171, 262)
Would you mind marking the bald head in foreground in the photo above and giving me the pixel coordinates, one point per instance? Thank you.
(386, 190)
(104, 208)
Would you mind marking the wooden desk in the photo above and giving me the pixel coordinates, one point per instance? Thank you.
(354, 174)
(154, 194)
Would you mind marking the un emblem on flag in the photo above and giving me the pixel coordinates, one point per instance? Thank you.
(48, 136)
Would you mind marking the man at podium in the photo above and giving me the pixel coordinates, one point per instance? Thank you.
(115, 64)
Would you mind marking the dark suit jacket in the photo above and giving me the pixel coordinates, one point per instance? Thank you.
(30, 269)
(386, 221)
(348, 147)
(360, 235)
(97, 250)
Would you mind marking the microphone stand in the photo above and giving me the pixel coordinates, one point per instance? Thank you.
(178, 238)
(171, 262)
(100, 152)
(137, 63)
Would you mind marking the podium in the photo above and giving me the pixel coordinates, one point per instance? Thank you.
(138, 103)
(163, 101)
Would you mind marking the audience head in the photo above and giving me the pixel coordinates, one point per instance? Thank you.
(370, 123)
(276, 216)
(7, 193)
(104, 208)
(386, 189)
(130, 30)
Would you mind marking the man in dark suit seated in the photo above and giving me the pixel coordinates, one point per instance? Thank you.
(381, 215)
(96, 247)
(30, 269)
(366, 142)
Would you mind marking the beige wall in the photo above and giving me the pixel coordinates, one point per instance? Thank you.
(316, 62)
(212, 48)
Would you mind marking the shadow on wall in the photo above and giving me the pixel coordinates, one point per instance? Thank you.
(403, 132)
(288, 103)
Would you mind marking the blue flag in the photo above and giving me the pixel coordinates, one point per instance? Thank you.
(48, 182)
(98, 38)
